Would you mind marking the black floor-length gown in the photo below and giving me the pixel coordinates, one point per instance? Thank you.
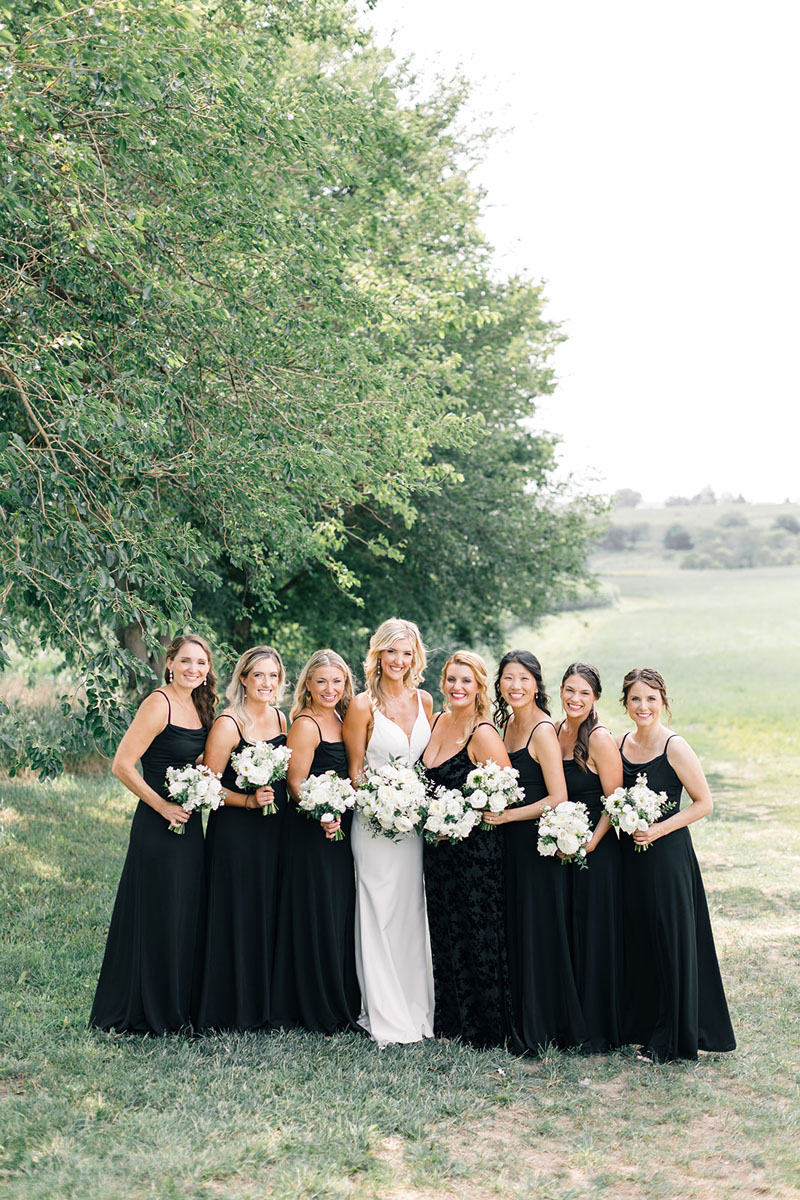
(243, 850)
(675, 1001)
(314, 983)
(150, 974)
(545, 1004)
(465, 894)
(596, 921)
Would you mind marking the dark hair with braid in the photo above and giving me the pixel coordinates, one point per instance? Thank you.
(592, 677)
(652, 678)
(532, 665)
(204, 695)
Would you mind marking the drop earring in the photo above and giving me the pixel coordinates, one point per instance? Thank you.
(170, 675)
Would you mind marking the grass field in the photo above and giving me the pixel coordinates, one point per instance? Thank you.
(296, 1115)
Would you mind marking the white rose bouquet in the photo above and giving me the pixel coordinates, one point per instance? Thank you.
(493, 787)
(193, 787)
(449, 814)
(635, 807)
(392, 800)
(260, 765)
(326, 797)
(566, 828)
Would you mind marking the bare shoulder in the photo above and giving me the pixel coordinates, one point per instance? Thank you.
(544, 733)
(225, 729)
(304, 732)
(679, 751)
(153, 712)
(602, 744)
(487, 743)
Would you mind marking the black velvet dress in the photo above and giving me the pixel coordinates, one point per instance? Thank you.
(314, 982)
(465, 893)
(243, 851)
(545, 1004)
(675, 1001)
(148, 981)
(596, 922)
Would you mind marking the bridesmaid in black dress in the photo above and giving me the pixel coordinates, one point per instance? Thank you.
(314, 983)
(592, 770)
(546, 1007)
(676, 1001)
(464, 883)
(148, 981)
(243, 854)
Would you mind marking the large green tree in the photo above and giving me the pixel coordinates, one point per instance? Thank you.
(249, 337)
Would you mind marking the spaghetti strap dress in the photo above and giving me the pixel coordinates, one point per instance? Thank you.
(314, 983)
(465, 891)
(675, 999)
(243, 849)
(149, 979)
(393, 954)
(596, 922)
(544, 995)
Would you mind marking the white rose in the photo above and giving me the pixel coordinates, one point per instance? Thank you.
(627, 820)
(547, 849)
(568, 843)
(642, 824)
(479, 799)
(403, 824)
(326, 817)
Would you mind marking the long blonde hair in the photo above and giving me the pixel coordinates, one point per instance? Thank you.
(483, 702)
(384, 637)
(236, 692)
(322, 658)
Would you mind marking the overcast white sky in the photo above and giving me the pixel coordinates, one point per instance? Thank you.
(651, 178)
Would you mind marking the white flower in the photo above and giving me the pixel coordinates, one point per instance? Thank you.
(567, 843)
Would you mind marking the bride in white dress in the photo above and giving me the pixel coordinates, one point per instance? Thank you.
(391, 720)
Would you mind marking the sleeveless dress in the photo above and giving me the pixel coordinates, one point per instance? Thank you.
(545, 1003)
(242, 859)
(465, 890)
(314, 984)
(596, 922)
(675, 998)
(393, 955)
(148, 981)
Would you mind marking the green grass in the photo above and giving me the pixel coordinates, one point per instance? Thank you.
(85, 1114)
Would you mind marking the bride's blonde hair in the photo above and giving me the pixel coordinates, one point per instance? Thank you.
(388, 632)
(483, 702)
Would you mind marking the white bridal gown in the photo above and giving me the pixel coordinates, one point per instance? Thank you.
(393, 952)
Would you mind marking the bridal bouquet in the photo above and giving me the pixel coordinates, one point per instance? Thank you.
(493, 787)
(392, 800)
(449, 814)
(193, 787)
(260, 765)
(566, 828)
(635, 807)
(326, 797)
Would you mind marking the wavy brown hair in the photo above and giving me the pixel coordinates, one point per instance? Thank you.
(652, 678)
(483, 701)
(592, 677)
(302, 696)
(388, 632)
(204, 696)
(236, 692)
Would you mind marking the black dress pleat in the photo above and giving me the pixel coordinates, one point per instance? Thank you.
(150, 974)
(314, 983)
(545, 1003)
(243, 853)
(596, 917)
(675, 1001)
(465, 894)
